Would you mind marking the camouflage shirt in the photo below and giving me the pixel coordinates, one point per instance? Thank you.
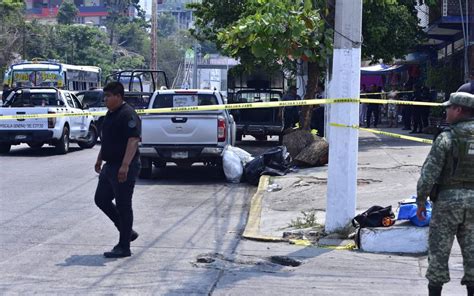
(436, 160)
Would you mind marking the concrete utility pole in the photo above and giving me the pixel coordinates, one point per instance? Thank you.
(343, 142)
(154, 26)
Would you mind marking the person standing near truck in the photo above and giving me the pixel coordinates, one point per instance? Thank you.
(121, 131)
(447, 177)
(291, 113)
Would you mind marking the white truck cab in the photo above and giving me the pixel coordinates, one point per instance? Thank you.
(56, 131)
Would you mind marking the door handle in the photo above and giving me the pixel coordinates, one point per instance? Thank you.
(179, 119)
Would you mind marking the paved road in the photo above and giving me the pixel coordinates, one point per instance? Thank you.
(52, 235)
(52, 238)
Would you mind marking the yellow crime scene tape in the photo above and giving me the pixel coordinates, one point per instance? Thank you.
(399, 102)
(393, 135)
(191, 108)
(224, 107)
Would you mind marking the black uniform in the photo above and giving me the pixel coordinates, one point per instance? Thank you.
(373, 109)
(117, 128)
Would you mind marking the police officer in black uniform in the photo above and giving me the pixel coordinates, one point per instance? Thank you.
(120, 136)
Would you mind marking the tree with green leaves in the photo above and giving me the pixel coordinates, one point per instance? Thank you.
(12, 28)
(118, 14)
(166, 25)
(278, 33)
(67, 12)
(282, 32)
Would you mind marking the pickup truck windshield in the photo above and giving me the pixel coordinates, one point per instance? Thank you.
(92, 99)
(24, 99)
(184, 100)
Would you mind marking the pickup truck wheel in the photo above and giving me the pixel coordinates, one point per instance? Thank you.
(5, 148)
(91, 138)
(62, 146)
(147, 168)
(35, 145)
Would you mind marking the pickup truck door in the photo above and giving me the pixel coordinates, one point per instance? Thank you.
(74, 121)
(82, 120)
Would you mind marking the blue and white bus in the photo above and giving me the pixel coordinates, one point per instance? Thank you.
(46, 73)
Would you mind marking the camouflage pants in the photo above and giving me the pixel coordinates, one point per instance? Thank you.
(453, 215)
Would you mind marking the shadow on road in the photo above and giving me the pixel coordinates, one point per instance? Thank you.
(85, 260)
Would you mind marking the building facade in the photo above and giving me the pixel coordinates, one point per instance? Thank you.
(451, 34)
(92, 12)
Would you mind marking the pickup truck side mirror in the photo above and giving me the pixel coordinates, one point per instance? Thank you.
(85, 106)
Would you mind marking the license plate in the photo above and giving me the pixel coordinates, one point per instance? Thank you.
(20, 137)
(179, 154)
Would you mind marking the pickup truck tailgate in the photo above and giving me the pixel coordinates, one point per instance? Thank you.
(23, 124)
(174, 129)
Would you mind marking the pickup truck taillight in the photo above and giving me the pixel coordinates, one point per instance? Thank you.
(221, 129)
(51, 121)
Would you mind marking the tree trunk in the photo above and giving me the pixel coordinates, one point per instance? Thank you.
(311, 88)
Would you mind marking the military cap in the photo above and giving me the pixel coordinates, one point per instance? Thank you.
(460, 99)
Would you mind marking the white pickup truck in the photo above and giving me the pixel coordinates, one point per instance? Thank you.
(185, 138)
(36, 132)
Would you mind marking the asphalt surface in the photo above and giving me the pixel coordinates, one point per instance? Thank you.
(190, 223)
(52, 235)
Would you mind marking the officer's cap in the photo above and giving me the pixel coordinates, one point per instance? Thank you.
(460, 99)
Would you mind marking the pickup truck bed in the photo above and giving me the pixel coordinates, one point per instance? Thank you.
(185, 138)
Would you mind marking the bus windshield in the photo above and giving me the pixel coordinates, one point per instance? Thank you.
(53, 74)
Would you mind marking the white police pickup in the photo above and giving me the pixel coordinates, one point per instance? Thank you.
(185, 138)
(36, 132)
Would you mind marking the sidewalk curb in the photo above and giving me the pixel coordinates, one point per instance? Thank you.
(252, 228)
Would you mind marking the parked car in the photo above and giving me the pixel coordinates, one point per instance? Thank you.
(256, 87)
(94, 101)
(56, 131)
(188, 137)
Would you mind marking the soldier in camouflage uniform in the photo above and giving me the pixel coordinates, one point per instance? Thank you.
(447, 176)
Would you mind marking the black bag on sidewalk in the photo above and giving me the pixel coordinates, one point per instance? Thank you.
(274, 162)
(373, 217)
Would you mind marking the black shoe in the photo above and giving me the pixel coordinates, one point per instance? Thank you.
(133, 236)
(412, 132)
(118, 252)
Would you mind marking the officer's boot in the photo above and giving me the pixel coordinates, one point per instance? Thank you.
(434, 290)
(470, 290)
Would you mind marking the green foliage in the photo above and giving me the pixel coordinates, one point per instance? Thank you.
(308, 220)
(277, 31)
(67, 12)
(133, 37)
(11, 29)
(445, 78)
(130, 62)
(7, 6)
(390, 29)
(211, 16)
(170, 55)
(166, 25)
